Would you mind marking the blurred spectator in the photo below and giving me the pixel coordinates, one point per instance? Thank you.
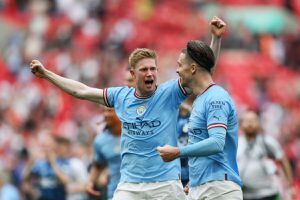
(256, 154)
(103, 156)
(54, 172)
(7, 190)
(107, 147)
(182, 128)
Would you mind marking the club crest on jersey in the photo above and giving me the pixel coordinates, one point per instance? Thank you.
(140, 110)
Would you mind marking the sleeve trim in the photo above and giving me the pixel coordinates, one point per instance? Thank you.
(214, 125)
(105, 97)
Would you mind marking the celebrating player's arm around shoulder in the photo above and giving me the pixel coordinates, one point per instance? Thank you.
(74, 88)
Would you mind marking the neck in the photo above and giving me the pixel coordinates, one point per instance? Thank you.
(140, 93)
(200, 83)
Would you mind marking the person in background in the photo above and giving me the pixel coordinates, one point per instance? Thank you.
(256, 154)
(53, 171)
(182, 128)
(106, 154)
(103, 144)
(7, 190)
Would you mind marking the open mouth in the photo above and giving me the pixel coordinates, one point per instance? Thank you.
(149, 82)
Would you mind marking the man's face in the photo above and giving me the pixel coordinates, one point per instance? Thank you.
(184, 70)
(145, 75)
(250, 123)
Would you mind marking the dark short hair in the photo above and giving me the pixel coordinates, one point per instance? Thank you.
(200, 53)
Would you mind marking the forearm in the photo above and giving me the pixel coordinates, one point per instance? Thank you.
(60, 175)
(212, 145)
(70, 86)
(204, 148)
(95, 173)
(215, 45)
(75, 88)
(287, 170)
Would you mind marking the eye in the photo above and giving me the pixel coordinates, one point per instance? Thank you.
(143, 69)
(153, 68)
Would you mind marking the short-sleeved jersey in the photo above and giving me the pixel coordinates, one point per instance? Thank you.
(107, 152)
(146, 124)
(214, 109)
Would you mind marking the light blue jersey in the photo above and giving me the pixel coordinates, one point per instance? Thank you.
(107, 152)
(213, 138)
(146, 124)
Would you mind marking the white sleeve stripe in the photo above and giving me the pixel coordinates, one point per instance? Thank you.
(105, 97)
(217, 125)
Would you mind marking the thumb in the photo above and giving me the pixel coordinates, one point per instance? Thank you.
(159, 148)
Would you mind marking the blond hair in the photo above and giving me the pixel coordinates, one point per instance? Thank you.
(139, 54)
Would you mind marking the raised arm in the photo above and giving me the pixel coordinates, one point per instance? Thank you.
(74, 88)
(217, 28)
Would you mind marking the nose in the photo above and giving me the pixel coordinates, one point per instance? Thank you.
(149, 73)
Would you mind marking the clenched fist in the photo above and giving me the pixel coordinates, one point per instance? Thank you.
(217, 26)
(37, 68)
(168, 153)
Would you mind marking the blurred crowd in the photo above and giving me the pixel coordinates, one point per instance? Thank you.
(90, 41)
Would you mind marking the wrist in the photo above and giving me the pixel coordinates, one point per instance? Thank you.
(182, 152)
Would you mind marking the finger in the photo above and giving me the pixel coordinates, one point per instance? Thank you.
(94, 192)
(33, 70)
(215, 23)
(222, 23)
(35, 61)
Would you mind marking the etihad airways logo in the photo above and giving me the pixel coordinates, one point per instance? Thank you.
(142, 127)
(142, 124)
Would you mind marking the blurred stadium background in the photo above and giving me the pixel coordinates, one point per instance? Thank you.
(90, 40)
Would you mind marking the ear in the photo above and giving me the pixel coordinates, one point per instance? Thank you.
(193, 68)
(132, 73)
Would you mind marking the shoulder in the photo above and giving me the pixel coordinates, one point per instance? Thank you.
(121, 89)
(269, 140)
(169, 84)
(217, 92)
(218, 95)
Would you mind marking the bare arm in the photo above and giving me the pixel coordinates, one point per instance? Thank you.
(287, 170)
(93, 178)
(74, 88)
(217, 28)
(289, 176)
